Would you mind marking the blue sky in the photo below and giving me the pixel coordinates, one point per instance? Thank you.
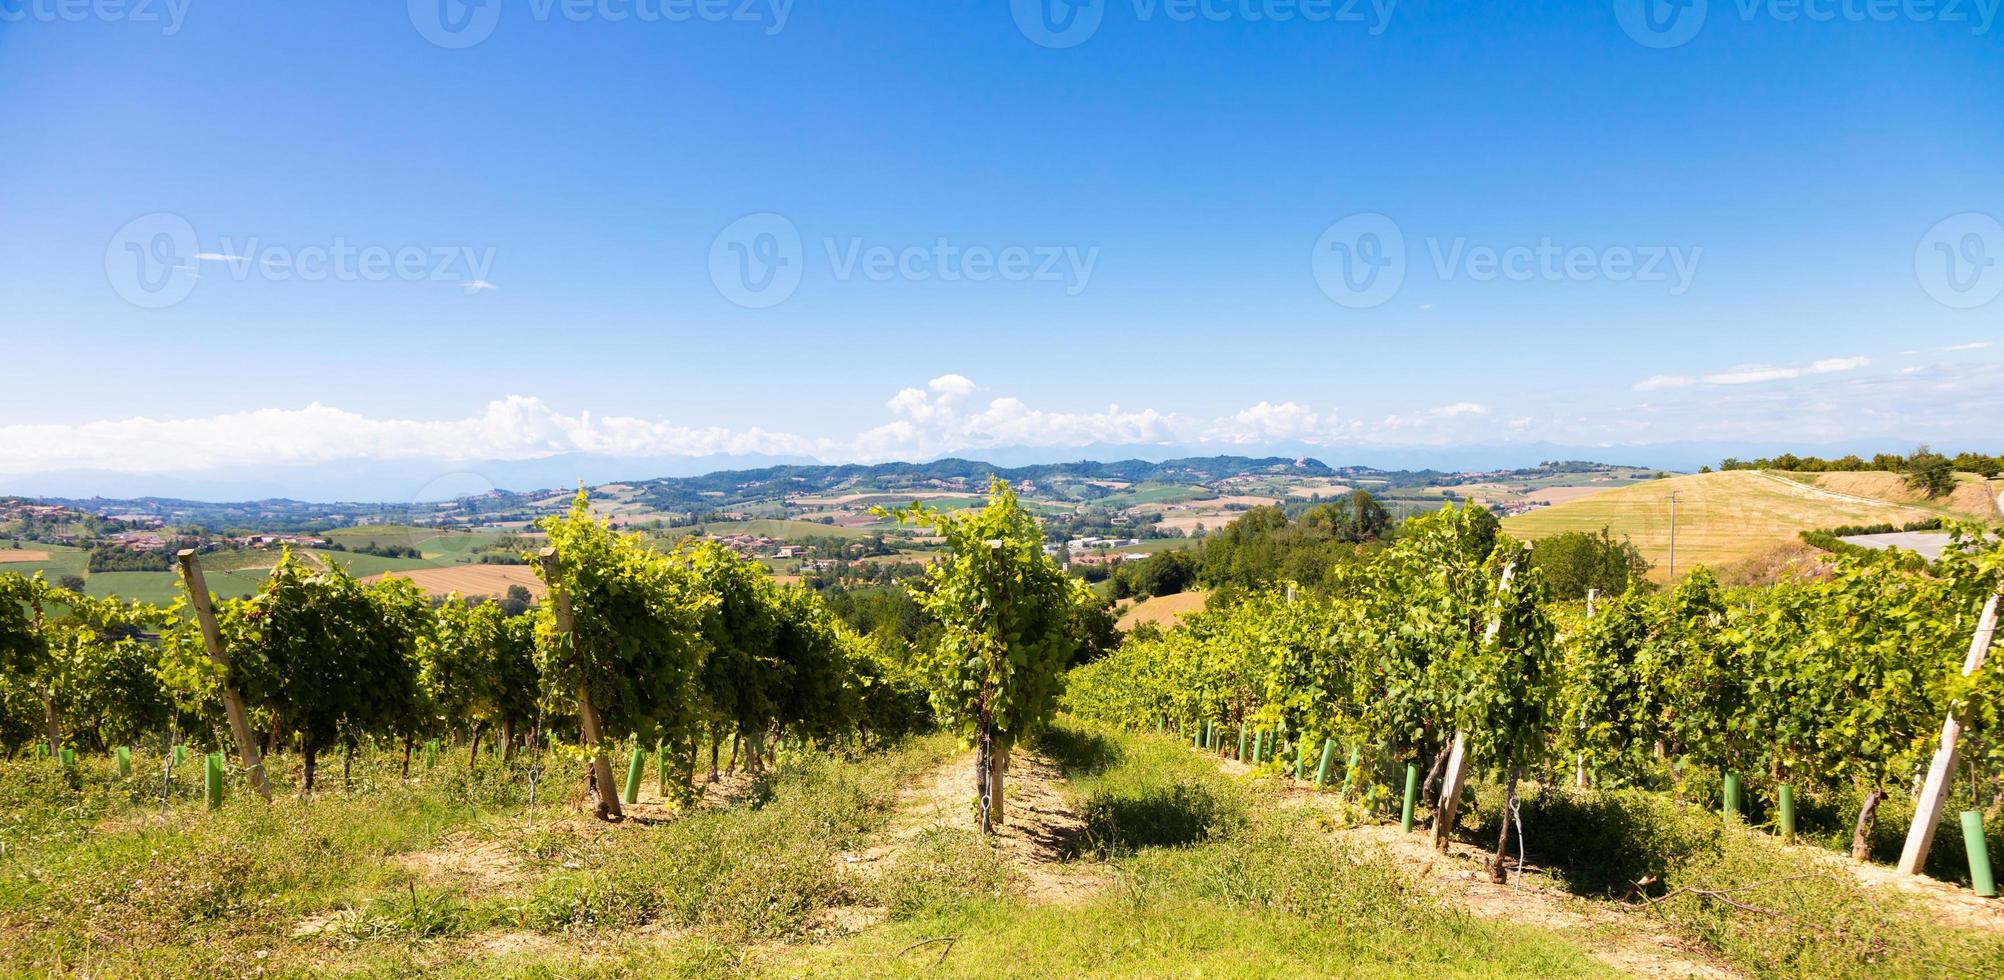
(1170, 182)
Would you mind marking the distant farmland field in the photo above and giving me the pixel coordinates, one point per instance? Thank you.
(1164, 611)
(470, 580)
(1721, 517)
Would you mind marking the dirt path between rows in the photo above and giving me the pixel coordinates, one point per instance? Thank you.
(1617, 938)
(1038, 837)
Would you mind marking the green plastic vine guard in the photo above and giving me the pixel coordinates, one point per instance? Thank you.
(633, 770)
(69, 757)
(1732, 795)
(1350, 772)
(41, 750)
(1242, 742)
(1412, 797)
(1785, 797)
(1980, 877)
(124, 757)
(1196, 736)
(212, 779)
(1300, 761)
(1328, 756)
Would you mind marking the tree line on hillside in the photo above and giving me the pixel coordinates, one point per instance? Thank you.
(1924, 469)
(1266, 546)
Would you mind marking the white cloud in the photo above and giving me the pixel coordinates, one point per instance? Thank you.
(1748, 374)
(1945, 403)
(1269, 423)
(472, 286)
(1975, 345)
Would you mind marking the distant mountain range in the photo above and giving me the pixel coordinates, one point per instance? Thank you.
(422, 480)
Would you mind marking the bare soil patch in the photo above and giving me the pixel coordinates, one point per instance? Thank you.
(475, 866)
(21, 554)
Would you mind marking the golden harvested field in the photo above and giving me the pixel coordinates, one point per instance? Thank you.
(470, 580)
(1566, 495)
(1721, 517)
(1162, 610)
(1973, 496)
(21, 554)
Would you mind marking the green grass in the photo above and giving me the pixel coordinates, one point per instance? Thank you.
(446, 546)
(1197, 873)
(61, 561)
(1203, 883)
(1155, 493)
(1799, 913)
(110, 878)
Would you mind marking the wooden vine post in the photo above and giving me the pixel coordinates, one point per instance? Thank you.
(600, 766)
(1457, 756)
(212, 638)
(1940, 771)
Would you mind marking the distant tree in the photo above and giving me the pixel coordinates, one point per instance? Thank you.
(1163, 573)
(1929, 472)
(1576, 561)
(72, 583)
(1986, 467)
(1097, 626)
(517, 600)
